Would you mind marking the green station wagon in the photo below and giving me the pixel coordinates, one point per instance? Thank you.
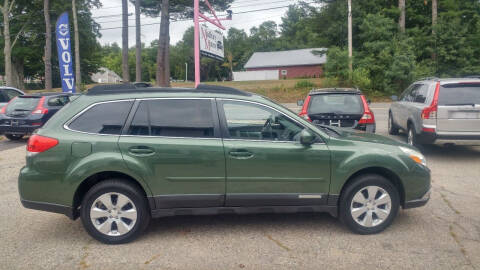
(118, 156)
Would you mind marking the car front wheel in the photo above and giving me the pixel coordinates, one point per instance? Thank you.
(114, 211)
(369, 204)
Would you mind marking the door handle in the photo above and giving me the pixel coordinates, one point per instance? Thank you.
(240, 154)
(141, 151)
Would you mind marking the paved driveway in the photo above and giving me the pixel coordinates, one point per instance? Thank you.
(445, 234)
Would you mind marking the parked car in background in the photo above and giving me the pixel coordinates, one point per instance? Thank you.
(24, 114)
(116, 158)
(433, 110)
(7, 94)
(339, 107)
(142, 84)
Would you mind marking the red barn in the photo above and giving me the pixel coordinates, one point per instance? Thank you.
(304, 63)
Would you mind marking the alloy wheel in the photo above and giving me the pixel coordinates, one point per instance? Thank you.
(371, 206)
(113, 214)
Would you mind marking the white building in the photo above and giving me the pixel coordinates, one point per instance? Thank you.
(105, 75)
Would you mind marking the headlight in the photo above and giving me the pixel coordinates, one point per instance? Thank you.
(414, 155)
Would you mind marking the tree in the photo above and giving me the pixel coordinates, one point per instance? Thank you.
(138, 45)
(168, 8)
(48, 45)
(78, 74)
(125, 71)
(401, 19)
(6, 9)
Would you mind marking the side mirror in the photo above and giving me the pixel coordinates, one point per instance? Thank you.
(306, 137)
(369, 101)
(300, 103)
(394, 98)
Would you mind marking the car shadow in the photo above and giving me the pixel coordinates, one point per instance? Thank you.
(457, 152)
(6, 144)
(231, 223)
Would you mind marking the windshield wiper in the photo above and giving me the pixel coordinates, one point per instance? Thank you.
(460, 104)
(328, 128)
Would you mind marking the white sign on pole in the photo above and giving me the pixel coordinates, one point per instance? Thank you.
(211, 43)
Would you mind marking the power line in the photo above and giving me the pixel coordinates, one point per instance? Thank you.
(262, 4)
(182, 20)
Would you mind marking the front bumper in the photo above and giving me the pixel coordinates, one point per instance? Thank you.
(418, 202)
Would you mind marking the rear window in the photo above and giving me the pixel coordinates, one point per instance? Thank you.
(58, 101)
(105, 118)
(459, 94)
(22, 104)
(174, 118)
(335, 103)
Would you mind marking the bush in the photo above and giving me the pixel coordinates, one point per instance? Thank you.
(304, 84)
(361, 79)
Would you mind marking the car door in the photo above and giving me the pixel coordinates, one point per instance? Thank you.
(266, 164)
(175, 145)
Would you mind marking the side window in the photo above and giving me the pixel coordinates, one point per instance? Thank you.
(404, 95)
(12, 93)
(255, 122)
(411, 95)
(3, 97)
(58, 101)
(106, 118)
(174, 118)
(422, 93)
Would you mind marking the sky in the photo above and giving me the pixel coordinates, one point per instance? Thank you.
(113, 9)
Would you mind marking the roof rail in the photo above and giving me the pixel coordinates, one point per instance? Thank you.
(432, 78)
(107, 89)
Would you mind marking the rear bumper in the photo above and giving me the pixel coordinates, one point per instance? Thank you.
(431, 137)
(49, 207)
(22, 130)
(370, 128)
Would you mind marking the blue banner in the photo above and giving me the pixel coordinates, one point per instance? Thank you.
(65, 59)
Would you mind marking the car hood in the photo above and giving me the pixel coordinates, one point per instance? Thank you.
(358, 136)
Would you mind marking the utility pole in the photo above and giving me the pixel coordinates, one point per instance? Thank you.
(186, 71)
(78, 73)
(138, 56)
(350, 43)
(125, 70)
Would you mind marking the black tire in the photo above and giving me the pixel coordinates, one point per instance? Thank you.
(411, 135)
(358, 184)
(116, 186)
(392, 128)
(14, 137)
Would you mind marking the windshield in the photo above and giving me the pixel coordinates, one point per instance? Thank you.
(459, 94)
(335, 103)
(22, 104)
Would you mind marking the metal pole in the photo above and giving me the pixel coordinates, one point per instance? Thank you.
(196, 14)
(186, 71)
(350, 49)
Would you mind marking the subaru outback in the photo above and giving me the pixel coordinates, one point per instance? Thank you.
(117, 157)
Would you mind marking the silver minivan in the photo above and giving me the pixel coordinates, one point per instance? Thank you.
(435, 109)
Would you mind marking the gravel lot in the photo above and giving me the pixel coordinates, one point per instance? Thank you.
(445, 234)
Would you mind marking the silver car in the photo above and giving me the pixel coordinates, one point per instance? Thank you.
(433, 110)
(7, 94)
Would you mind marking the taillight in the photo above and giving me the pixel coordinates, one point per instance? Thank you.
(431, 111)
(40, 109)
(304, 112)
(367, 117)
(38, 144)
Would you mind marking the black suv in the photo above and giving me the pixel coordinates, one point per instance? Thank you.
(24, 114)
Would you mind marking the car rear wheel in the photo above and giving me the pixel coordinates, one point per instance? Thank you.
(114, 211)
(14, 137)
(392, 129)
(369, 204)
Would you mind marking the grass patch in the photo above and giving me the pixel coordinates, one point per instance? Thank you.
(284, 91)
